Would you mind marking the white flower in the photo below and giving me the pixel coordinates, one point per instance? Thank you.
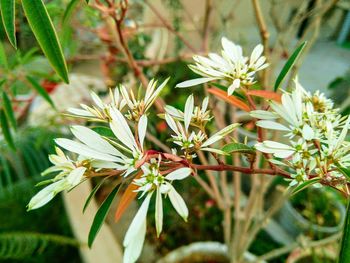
(200, 115)
(190, 141)
(94, 146)
(152, 181)
(70, 175)
(138, 107)
(101, 110)
(231, 66)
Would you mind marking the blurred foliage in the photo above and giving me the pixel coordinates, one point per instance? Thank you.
(340, 92)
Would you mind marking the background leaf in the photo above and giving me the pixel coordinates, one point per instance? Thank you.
(42, 92)
(6, 129)
(8, 19)
(101, 216)
(9, 110)
(344, 254)
(3, 57)
(289, 64)
(304, 185)
(44, 31)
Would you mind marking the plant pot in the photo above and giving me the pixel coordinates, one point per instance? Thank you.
(295, 223)
(199, 252)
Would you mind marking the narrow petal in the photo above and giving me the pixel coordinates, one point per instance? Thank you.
(220, 134)
(136, 223)
(94, 140)
(75, 176)
(178, 203)
(272, 125)
(263, 115)
(142, 129)
(159, 212)
(133, 250)
(97, 100)
(82, 149)
(193, 82)
(235, 85)
(179, 174)
(188, 111)
(308, 132)
(172, 124)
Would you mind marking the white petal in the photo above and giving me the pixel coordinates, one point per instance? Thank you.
(172, 124)
(82, 149)
(173, 111)
(94, 140)
(142, 129)
(256, 53)
(308, 132)
(272, 125)
(137, 222)
(277, 145)
(97, 100)
(159, 212)
(188, 111)
(220, 134)
(178, 203)
(263, 115)
(205, 104)
(80, 112)
(179, 174)
(122, 130)
(193, 82)
(45, 195)
(133, 250)
(235, 85)
(75, 176)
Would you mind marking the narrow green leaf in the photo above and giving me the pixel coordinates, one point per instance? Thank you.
(6, 129)
(44, 31)
(304, 185)
(344, 254)
(3, 57)
(289, 64)
(93, 192)
(101, 216)
(345, 171)
(69, 11)
(238, 147)
(9, 110)
(8, 19)
(42, 92)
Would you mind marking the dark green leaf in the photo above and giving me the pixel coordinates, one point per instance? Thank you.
(93, 192)
(304, 185)
(8, 19)
(289, 64)
(237, 147)
(44, 31)
(344, 254)
(42, 92)
(101, 215)
(9, 110)
(6, 129)
(104, 131)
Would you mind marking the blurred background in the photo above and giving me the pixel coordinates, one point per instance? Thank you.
(162, 36)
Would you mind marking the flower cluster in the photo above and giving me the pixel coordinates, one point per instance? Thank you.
(236, 69)
(189, 140)
(316, 132)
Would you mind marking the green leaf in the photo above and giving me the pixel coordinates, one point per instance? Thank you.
(42, 92)
(104, 131)
(101, 216)
(44, 31)
(9, 110)
(289, 64)
(345, 171)
(69, 11)
(238, 147)
(8, 19)
(344, 254)
(93, 192)
(6, 129)
(3, 57)
(304, 185)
